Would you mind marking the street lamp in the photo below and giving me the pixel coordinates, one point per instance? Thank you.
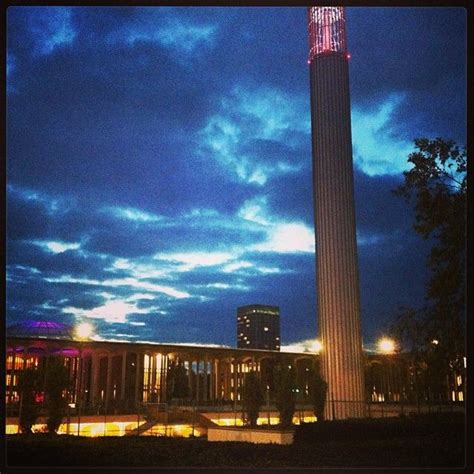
(317, 346)
(84, 331)
(386, 345)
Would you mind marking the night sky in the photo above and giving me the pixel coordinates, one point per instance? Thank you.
(159, 164)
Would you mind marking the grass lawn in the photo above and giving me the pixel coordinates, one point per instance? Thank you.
(440, 447)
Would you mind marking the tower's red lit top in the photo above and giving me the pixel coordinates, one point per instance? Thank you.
(327, 31)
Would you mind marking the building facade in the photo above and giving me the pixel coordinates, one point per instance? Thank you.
(258, 327)
(119, 376)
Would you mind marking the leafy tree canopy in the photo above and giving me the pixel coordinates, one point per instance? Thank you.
(436, 185)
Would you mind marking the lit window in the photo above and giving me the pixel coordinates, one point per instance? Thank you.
(265, 328)
(248, 342)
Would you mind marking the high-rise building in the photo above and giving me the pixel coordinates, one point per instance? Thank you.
(334, 214)
(258, 327)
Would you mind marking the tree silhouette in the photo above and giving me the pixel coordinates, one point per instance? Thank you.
(317, 391)
(28, 385)
(252, 398)
(285, 399)
(437, 185)
(56, 380)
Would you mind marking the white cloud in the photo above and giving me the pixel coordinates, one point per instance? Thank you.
(369, 239)
(288, 238)
(377, 149)
(232, 267)
(259, 114)
(52, 205)
(269, 270)
(276, 111)
(226, 286)
(183, 37)
(307, 345)
(114, 311)
(254, 210)
(140, 296)
(201, 213)
(51, 27)
(132, 214)
(282, 236)
(191, 260)
(139, 270)
(54, 246)
(118, 282)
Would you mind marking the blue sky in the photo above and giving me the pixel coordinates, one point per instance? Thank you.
(159, 163)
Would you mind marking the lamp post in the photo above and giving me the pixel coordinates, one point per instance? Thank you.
(82, 332)
(268, 405)
(387, 347)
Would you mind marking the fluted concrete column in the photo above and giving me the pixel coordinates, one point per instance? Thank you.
(190, 378)
(198, 397)
(226, 371)
(124, 375)
(12, 376)
(205, 382)
(94, 377)
(212, 382)
(25, 357)
(336, 246)
(108, 387)
(163, 376)
(138, 375)
(236, 377)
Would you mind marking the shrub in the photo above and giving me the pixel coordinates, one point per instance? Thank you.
(317, 391)
(285, 386)
(56, 381)
(28, 385)
(252, 398)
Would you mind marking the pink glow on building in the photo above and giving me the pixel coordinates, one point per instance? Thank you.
(327, 31)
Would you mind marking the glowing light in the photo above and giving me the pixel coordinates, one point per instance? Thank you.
(326, 30)
(84, 330)
(435, 342)
(317, 346)
(386, 345)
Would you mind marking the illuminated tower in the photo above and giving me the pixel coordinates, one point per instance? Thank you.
(334, 214)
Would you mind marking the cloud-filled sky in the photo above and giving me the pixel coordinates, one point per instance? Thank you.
(159, 163)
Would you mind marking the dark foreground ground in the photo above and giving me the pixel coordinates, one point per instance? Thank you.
(437, 443)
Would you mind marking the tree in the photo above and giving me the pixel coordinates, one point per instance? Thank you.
(317, 391)
(252, 398)
(29, 386)
(437, 185)
(285, 386)
(56, 380)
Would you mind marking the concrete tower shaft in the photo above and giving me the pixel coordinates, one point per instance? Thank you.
(335, 229)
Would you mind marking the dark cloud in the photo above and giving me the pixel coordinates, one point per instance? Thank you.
(110, 150)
